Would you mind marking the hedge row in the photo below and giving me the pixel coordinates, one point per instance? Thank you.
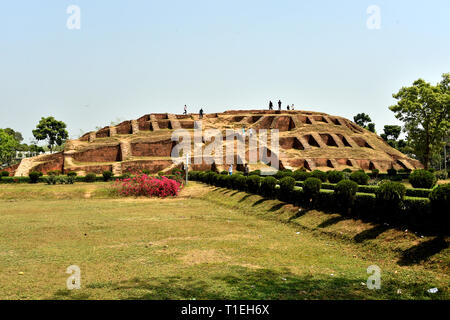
(411, 192)
(87, 178)
(388, 203)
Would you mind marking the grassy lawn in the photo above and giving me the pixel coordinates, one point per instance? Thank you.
(209, 243)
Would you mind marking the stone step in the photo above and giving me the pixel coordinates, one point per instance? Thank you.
(337, 140)
(24, 168)
(333, 163)
(319, 139)
(154, 121)
(112, 131)
(134, 126)
(125, 148)
(310, 164)
(174, 122)
(117, 169)
(353, 163)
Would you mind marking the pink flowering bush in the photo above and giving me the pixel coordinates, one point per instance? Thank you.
(144, 185)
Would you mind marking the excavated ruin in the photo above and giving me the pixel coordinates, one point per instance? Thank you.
(307, 139)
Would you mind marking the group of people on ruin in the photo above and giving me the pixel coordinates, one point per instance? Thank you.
(279, 106)
(289, 107)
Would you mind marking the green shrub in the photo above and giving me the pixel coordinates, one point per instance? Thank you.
(241, 182)
(396, 178)
(209, 177)
(365, 206)
(311, 187)
(228, 181)
(107, 175)
(441, 175)
(375, 173)
(224, 172)
(4, 174)
(283, 173)
(390, 195)
(324, 200)
(160, 173)
(348, 170)
(328, 186)
(90, 177)
(440, 199)
(301, 175)
(345, 192)
(367, 189)
(335, 176)
(417, 192)
(319, 175)
(287, 184)
(71, 174)
(34, 176)
(392, 172)
(255, 173)
(253, 182)
(193, 175)
(422, 179)
(145, 171)
(267, 187)
(360, 177)
(51, 179)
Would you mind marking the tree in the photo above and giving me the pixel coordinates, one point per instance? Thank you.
(424, 109)
(391, 132)
(8, 147)
(52, 130)
(15, 134)
(363, 120)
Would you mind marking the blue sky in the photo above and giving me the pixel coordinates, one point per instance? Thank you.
(135, 57)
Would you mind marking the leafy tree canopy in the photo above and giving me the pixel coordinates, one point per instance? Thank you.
(424, 109)
(363, 120)
(15, 134)
(52, 130)
(8, 145)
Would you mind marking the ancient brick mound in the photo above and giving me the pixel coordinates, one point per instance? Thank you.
(307, 139)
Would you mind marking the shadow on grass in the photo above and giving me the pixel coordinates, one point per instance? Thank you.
(331, 221)
(298, 214)
(249, 284)
(260, 201)
(422, 251)
(70, 295)
(370, 233)
(277, 206)
(245, 197)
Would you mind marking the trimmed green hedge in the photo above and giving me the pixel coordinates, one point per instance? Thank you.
(387, 203)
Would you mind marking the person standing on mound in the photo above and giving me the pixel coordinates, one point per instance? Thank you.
(230, 170)
(279, 105)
